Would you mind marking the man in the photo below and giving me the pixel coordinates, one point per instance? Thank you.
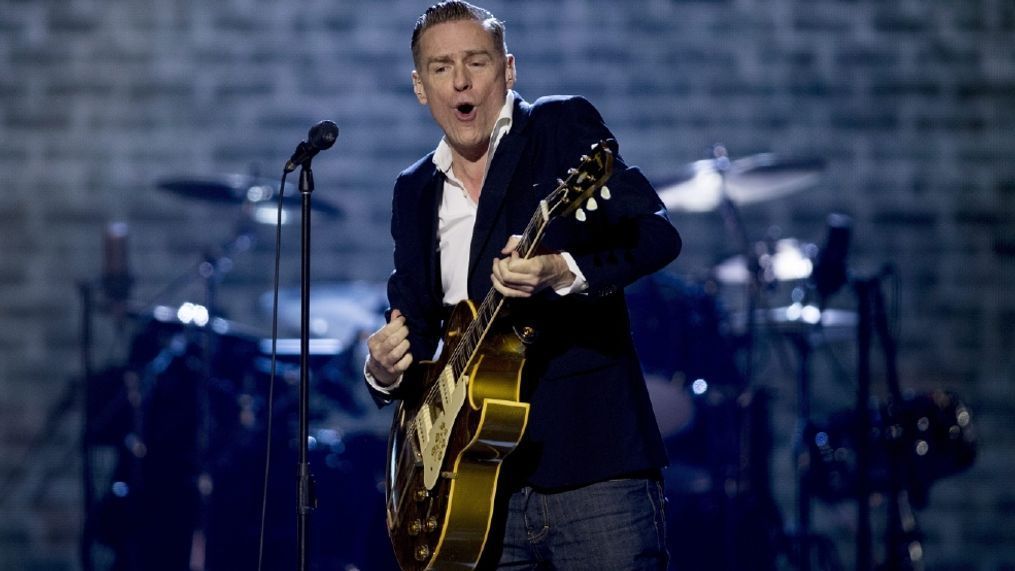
(582, 489)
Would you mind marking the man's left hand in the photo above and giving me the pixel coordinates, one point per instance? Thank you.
(514, 276)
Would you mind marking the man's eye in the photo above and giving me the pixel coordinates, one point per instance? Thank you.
(440, 69)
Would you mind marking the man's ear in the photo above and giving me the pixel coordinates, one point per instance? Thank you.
(510, 74)
(417, 88)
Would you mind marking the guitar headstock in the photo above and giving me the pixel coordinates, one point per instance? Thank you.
(575, 194)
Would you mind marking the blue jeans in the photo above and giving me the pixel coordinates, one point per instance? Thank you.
(616, 525)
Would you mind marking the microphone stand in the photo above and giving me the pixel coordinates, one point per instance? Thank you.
(306, 500)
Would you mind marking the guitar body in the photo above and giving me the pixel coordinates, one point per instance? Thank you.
(440, 485)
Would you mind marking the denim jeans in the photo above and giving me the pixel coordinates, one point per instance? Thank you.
(616, 525)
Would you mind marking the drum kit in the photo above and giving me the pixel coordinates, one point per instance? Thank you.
(713, 406)
(186, 412)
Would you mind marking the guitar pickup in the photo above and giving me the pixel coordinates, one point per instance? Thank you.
(424, 424)
(446, 383)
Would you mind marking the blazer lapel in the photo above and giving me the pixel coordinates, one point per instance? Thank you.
(435, 194)
(495, 187)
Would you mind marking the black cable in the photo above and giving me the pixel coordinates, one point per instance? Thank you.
(271, 377)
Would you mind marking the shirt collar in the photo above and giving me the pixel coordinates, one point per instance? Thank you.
(442, 155)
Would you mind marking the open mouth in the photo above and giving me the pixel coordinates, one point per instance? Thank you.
(465, 111)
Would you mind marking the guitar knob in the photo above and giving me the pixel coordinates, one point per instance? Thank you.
(431, 524)
(605, 193)
(415, 527)
(527, 334)
(422, 552)
(580, 215)
(591, 205)
(421, 494)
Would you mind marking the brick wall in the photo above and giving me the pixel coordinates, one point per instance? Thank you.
(912, 105)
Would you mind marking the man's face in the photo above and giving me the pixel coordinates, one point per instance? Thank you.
(464, 79)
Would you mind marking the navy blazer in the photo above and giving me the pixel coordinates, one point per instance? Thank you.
(590, 417)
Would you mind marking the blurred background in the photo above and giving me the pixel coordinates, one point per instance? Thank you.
(139, 146)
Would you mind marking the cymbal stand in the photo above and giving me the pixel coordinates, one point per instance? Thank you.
(804, 344)
(87, 477)
(735, 226)
(212, 267)
(903, 551)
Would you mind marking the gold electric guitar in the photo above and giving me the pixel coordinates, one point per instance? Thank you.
(447, 444)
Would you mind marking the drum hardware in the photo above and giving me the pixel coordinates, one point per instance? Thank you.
(789, 260)
(807, 324)
(926, 438)
(210, 269)
(933, 433)
(715, 431)
(192, 340)
(722, 184)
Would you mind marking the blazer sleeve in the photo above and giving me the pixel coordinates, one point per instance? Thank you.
(409, 286)
(630, 235)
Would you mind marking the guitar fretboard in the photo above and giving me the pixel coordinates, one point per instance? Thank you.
(494, 300)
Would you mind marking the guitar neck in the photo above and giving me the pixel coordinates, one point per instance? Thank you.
(488, 311)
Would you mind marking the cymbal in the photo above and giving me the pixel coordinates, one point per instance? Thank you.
(240, 189)
(791, 260)
(699, 186)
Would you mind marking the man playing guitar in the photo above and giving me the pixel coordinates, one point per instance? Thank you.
(582, 488)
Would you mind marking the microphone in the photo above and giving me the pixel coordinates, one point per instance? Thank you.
(320, 137)
(830, 270)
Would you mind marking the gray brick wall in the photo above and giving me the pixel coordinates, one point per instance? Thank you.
(911, 103)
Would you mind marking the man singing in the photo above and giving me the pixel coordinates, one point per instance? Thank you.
(582, 490)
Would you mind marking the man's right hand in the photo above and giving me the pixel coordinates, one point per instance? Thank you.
(389, 350)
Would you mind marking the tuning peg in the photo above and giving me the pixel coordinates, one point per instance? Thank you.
(580, 215)
(585, 159)
(560, 182)
(572, 171)
(591, 205)
(605, 193)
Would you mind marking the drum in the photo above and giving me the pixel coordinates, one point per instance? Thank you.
(181, 374)
(191, 427)
(913, 444)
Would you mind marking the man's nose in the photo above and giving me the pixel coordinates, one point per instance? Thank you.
(462, 79)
